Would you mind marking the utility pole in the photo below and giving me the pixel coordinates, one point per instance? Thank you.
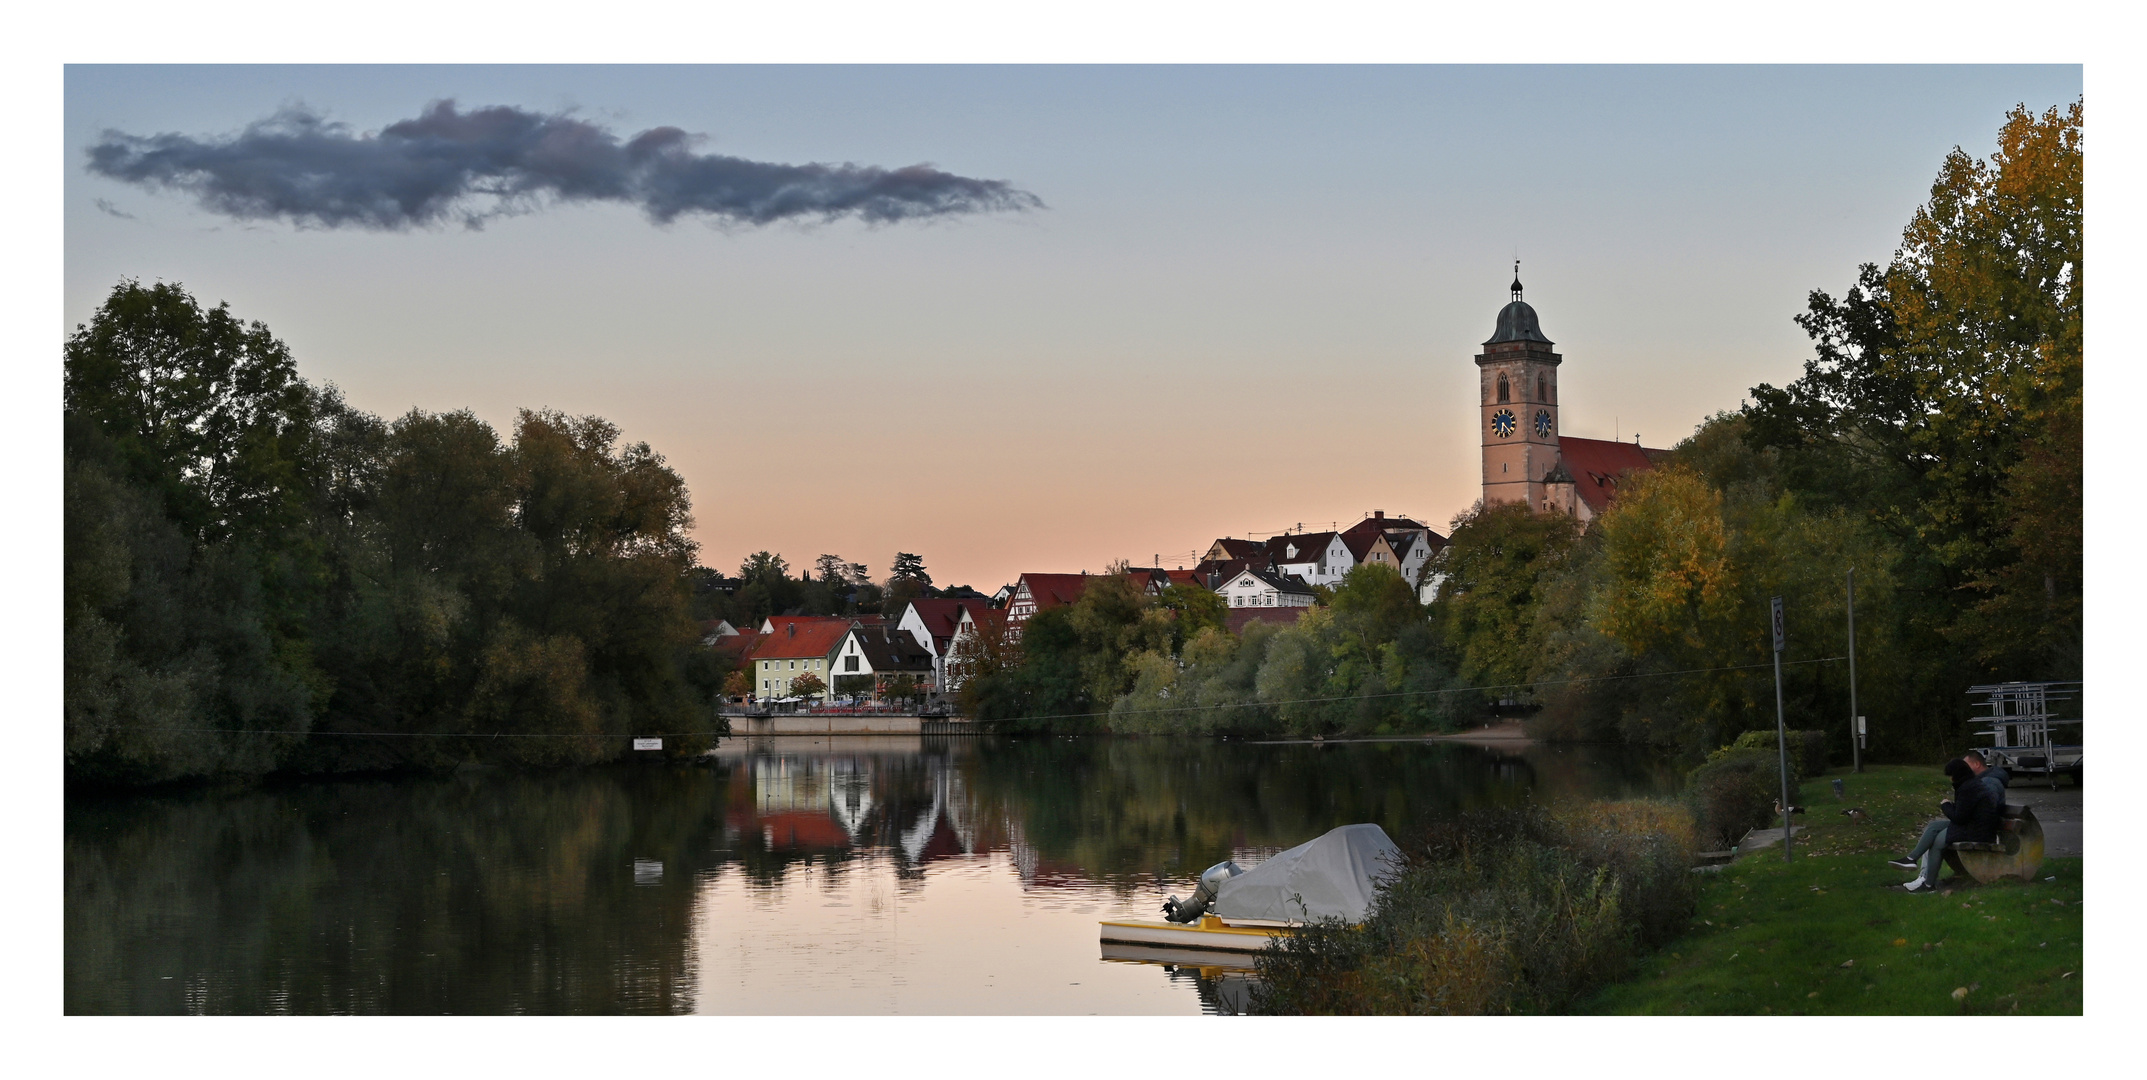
(1781, 730)
(1856, 737)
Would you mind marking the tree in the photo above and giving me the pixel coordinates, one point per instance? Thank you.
(1493, 566)
(807, 686)
(1944, 401)
(737, 685)
(911, 567)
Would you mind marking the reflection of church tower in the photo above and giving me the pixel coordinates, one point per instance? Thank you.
(1519, 376)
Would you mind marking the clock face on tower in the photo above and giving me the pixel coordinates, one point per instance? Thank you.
(1502, 423)
(1543, 423)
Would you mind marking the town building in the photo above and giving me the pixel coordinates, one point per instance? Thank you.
(932, 622)
(791, 647)
(1525, 458)
(1257, 588)
(880, 653)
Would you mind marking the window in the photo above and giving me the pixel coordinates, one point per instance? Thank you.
(1540, 395)
(849, 663)
(1504, 395)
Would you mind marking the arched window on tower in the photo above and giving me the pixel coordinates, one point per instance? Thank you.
(1540, 395)
(1504, 395)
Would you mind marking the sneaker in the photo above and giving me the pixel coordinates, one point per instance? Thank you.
(1902, 863)
(1916, 885)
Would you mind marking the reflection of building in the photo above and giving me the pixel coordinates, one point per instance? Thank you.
(862, 793)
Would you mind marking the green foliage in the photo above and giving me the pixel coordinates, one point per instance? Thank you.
(1943, 406)
(1735, 791)
(261, 578)
(1520, 911)
(1494, 565)
(1807, 749)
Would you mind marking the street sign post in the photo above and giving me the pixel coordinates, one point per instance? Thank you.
(648, 744)
(1781, 728)
(1856, 723)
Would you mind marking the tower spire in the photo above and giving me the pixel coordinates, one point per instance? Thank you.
(1517, 279)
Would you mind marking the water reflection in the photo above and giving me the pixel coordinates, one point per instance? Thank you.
(784, 875)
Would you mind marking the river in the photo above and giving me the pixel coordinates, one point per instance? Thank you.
(787, 875)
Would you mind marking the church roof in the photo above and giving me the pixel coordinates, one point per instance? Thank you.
(1517, 322)
(1597, 464)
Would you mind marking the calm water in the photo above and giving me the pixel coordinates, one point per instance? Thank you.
(847, 875)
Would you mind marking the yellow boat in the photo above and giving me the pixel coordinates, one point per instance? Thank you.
(1207, 934)
(1335, 876)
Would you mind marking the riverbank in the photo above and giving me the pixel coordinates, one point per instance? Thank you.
(1503, 735)
(1829, 932)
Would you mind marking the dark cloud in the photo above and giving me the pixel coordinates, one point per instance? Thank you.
(106, 206)
(468, 166)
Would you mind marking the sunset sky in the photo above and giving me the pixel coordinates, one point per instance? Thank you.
(1130, 310)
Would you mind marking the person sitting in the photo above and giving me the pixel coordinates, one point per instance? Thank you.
(1994, 777)
(1970, 817)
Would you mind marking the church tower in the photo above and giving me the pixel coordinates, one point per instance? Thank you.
(1519, 377)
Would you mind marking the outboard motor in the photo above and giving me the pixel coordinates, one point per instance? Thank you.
(1211, 883)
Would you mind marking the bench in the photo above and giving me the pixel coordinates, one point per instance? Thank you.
(2017, 851)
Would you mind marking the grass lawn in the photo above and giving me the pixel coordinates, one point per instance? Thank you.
(1824, 934)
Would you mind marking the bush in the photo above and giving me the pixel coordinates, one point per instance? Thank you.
(1509, 911)
(1734, 791)
(1807, 749)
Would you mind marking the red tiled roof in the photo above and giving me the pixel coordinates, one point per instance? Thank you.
(1239, 618)
(1184, 577)
(1052, 590)
(1596, 464)
(939, 615)
(738, 645)
(794, 639)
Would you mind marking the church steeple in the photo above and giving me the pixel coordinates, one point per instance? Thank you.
(1519, 406)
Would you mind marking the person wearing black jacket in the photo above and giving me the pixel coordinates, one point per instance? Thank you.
(1971, 817)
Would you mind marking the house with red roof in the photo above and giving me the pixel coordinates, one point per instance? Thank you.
(791, 647)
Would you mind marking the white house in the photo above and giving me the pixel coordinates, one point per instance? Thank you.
(881, 653)
(1251, 588)
(1320, 558)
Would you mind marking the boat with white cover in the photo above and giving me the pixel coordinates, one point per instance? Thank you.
(1335, 876)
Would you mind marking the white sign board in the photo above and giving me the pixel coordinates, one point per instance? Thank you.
(648, 744)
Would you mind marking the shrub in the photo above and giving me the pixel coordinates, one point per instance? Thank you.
(1734, 791)
(1508, 911)
(1807, 749)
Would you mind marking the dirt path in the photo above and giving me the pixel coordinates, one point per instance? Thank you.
(1504, 735)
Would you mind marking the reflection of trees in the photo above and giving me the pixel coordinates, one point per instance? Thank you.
(1135, 811)
(490, 892)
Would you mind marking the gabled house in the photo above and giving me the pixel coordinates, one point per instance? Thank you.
(1254, 588)
(1320, 558)
(794, 647)
(932, 622)
(1229, 548)
(971, 620)
(1042, 592)
(882, 653)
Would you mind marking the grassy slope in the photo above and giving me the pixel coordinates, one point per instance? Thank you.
(1824, 934)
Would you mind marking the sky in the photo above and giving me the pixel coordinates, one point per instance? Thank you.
(1151, 306)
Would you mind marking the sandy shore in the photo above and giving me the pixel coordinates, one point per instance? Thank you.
(1504, 735)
